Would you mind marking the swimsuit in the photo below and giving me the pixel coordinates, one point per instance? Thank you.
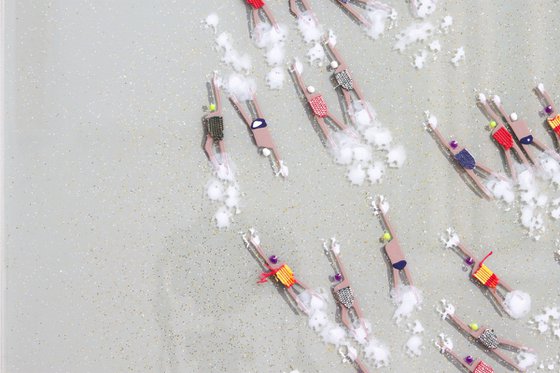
(527, 140)
(284, 275)
(489, 339)
(257, 4)
(215, 127)
(346, 296)
(399, 265)
(465, 159)
(482, 367)
(554, 123)
(258, 123)
(344, 80)
(319, 106)
(504, 138)
(486, 276)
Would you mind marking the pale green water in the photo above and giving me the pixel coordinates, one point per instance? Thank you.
(112, 263)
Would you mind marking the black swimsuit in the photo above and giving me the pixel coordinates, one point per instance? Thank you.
(399, 265)
(526, 140)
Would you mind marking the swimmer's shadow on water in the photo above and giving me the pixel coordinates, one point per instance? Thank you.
(349, 14)
(344, 109)
(278, 286)
(485, 292)
(460, 171)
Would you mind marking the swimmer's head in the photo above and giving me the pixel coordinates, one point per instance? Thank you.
(513, 116)
(492, 124)
(386, 237)
(334, 64)
(310, 89)
(454, 144)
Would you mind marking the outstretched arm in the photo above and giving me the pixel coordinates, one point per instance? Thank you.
(461, 324)
(299, 79)
(466, 252)
(487, 110)
(543, 95)
(217, 95)
(440, 137)
(240, 110)
(386, 222)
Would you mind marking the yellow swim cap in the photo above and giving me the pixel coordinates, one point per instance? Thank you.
(473, 326)
(212, 107)
(386, 236)
(493, 124)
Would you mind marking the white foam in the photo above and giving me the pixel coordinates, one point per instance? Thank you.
(215, 190)
(425, 7)
(502, 190)
(316, 54)
(376, 172)
(452, 238)
(413, 346)
(549, 320)
(482, 97)
(275, 78)
(318, 320)
(242, 87)
(377, 352)
(272, 39)
(232, 197)
(239, 62)
(417, 31)
(550, 169)
(458, 56)
(380, 137)
(416, 328)
(529, 195)
(431, 120)
(526, 359)
(331, 39)
(446, 24)
(311, 31)
(212, 20)
(407, 299)
(444, 342)
(378, 18)
(446, 310)
(382, 204)
(540, 87)
(497, 100)
(362, 154)
(356, 174)
(223, 217)
(555, 212)
(396, 156)
(435, 46)
(420, 59)
(223, 190)
(284, 171)
(517, 304)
